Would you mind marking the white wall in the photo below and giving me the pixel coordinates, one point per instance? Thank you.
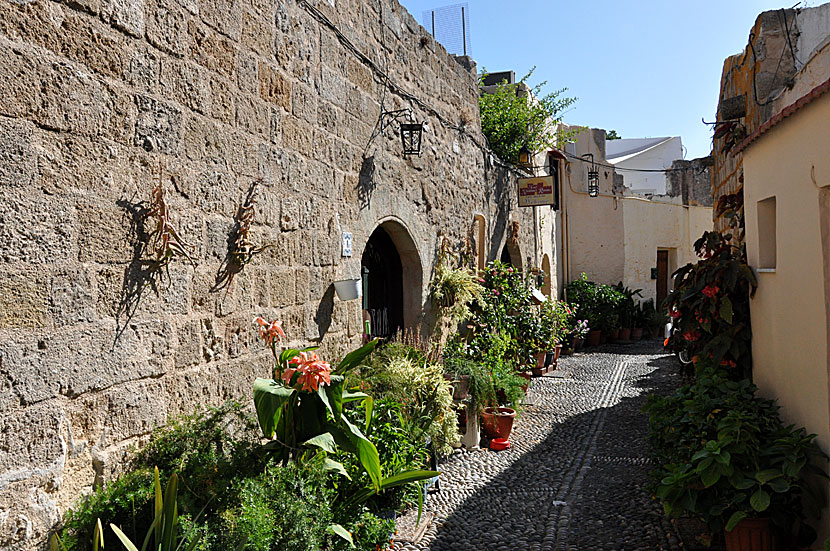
(657, 157)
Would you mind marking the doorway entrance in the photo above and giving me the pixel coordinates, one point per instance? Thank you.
(392, 281)
(662, 276)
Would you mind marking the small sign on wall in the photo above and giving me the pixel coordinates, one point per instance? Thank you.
(347, 244)
(534, 192)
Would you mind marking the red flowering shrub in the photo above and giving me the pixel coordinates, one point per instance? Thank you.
(709, 306)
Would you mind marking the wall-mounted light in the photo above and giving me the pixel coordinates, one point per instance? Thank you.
(525, 157)
(411, 131)
(593, 177)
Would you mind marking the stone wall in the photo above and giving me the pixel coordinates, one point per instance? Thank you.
(691, 181)
(99, 97)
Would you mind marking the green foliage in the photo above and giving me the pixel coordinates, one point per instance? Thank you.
(163, 532)
(282, 508)
(301, 423)
(453, 289)
(457, 363)
(597, 303)
(512, 118)
(400, 373)
(724, 454)
(710, 306)
(612, 135)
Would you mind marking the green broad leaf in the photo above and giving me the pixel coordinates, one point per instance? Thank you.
(779, 485)
(406, 477)
(726, 309)
(703, 465)
(724, 457)
(766, 475)
(742, 483)
(98, 536)
(367, 453)
(170, 514)
(332, 466)
(759, 500)
(287, 354)
(349, 396)
(338, 530)
(158, 508)
(269, 398)
(368, 406)
(734, 520)
(334, 393)
(420, 504)
(710, 476)
(323, 441)
(356, 357)
(125, 541)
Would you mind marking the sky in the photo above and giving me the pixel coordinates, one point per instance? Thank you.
(645, 68)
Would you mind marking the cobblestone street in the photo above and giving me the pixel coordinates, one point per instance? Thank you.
(575, 476)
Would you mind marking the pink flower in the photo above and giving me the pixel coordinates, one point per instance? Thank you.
(481, 280)
(710, 290)
(313, 371)
(269, 332)
(510, 270)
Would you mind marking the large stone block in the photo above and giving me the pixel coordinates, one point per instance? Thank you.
(304, 103)
(72, 296)
(274, 87)
(36, 228)
(24, 298)
(108, 235)
(189, 349)
(283, 288)
(212, 50)
(223, 15)
(143, 68)
(158, 126)
(223, 102)
(257, 32)
(18, 159)
(298, 135)
(167, 26)
(253, 116)
(186, 83)
(127, 15)
(247, 78)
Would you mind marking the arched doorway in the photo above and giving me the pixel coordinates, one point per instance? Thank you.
(392, 281)
(511, 254)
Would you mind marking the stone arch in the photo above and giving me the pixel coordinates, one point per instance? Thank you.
(393, 278)
(546, 286)
(512, 254)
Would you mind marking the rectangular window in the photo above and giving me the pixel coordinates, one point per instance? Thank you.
(766, 234)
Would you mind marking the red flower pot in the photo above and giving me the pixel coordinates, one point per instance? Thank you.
(751, 534)
(498, 423)
(625, 334)
(525, 375)
(593, 337)
(614, 334)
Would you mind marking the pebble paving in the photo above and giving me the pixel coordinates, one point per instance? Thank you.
(575, 477)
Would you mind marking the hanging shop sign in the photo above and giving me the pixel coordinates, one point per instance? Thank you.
(534, 192)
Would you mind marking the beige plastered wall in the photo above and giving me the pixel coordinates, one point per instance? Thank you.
(653, 225)
(789, 310)
(594, 226)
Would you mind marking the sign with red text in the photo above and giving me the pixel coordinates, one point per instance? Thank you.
(535, 192)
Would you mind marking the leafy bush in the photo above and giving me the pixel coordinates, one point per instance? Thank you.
(511, 119)
(402, 374)
(724, 454)
(597, 303)
(453, 289)
(710, 306)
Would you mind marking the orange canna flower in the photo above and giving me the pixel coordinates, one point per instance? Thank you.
(313, 371)
(269, 331)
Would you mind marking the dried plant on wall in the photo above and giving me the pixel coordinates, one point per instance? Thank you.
(242, 251)
(165, 242)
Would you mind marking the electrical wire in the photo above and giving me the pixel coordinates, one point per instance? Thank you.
(608, 165)
(796, 61)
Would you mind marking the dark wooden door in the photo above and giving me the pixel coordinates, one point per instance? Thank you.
(662, 277)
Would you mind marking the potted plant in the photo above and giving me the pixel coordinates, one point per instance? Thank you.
(727, 458)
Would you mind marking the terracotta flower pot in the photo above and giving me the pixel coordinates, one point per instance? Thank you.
(498, 423)
(540, 360)
(557, 351)
(636, 333)
(525, 375)
(593, 337)
(603, 338)
(751, 534)
(579, 342)
(625, 334)
(614, 334)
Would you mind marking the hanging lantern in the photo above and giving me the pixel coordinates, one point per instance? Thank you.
(593, 177)
(525, 157)
(411, 131)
